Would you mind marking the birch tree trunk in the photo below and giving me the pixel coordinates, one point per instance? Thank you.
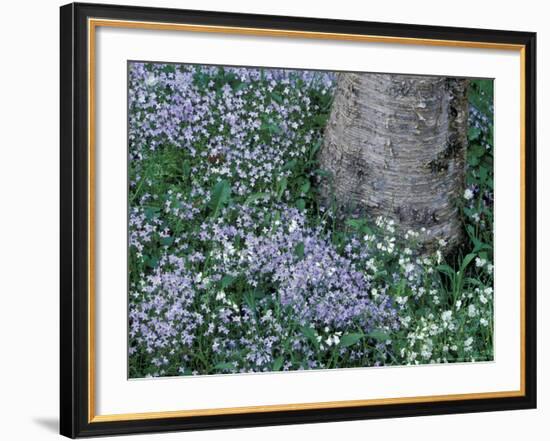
(395, 146)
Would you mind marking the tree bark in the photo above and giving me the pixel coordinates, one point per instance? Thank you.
(395, 146)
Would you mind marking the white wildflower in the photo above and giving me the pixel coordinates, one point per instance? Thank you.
(150, 80)
(480, 263)
(293, 226)
(401, 300)
(426, 352)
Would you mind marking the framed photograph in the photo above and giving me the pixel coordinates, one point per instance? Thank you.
(275, 220)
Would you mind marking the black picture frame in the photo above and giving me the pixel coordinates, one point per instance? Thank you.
(74, 191)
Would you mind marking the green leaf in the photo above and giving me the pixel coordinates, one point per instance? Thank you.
(378, 335)
(277, 98)
(275, 219)
(277, 364)
(360, 225)
(320, 120)
(322, 172)
(470, 230)
(314, 149)
(479, 246)
(289, 165)
(482, 174)
(282, 187)
(467, 261)
(477, 150)
(227, 281)
(380, 275)
(311, 335)
(305, 187)
(301, 204)
(356, 224)
(166, 240)
(350, 339)
(256, 196)
(270, 127)
(169, 68)
(446, 269)
(366, 229)
(299, 250)
(151, 212)
(473, 160)
(473, 281)
(240, 87)
(186, 169)
(224, 366)
(250, 299)
(220, 195)
(401, 287)
(152, 261)
(473, 133)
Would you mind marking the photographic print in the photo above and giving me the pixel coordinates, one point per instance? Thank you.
(274, 220)
(284, 220)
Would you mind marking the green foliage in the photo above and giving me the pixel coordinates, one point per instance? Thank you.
(350, 339)
(444, 304)
(220, 196)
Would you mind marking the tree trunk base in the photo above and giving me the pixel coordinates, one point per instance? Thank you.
(395, 147)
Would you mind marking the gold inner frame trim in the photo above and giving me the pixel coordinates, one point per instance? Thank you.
(92, 25)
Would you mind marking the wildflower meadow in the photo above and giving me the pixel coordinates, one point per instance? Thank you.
(237, 265)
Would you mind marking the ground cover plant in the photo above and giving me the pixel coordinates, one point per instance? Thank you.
(237, 265)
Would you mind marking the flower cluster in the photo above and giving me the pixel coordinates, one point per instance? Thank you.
(235, 267)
